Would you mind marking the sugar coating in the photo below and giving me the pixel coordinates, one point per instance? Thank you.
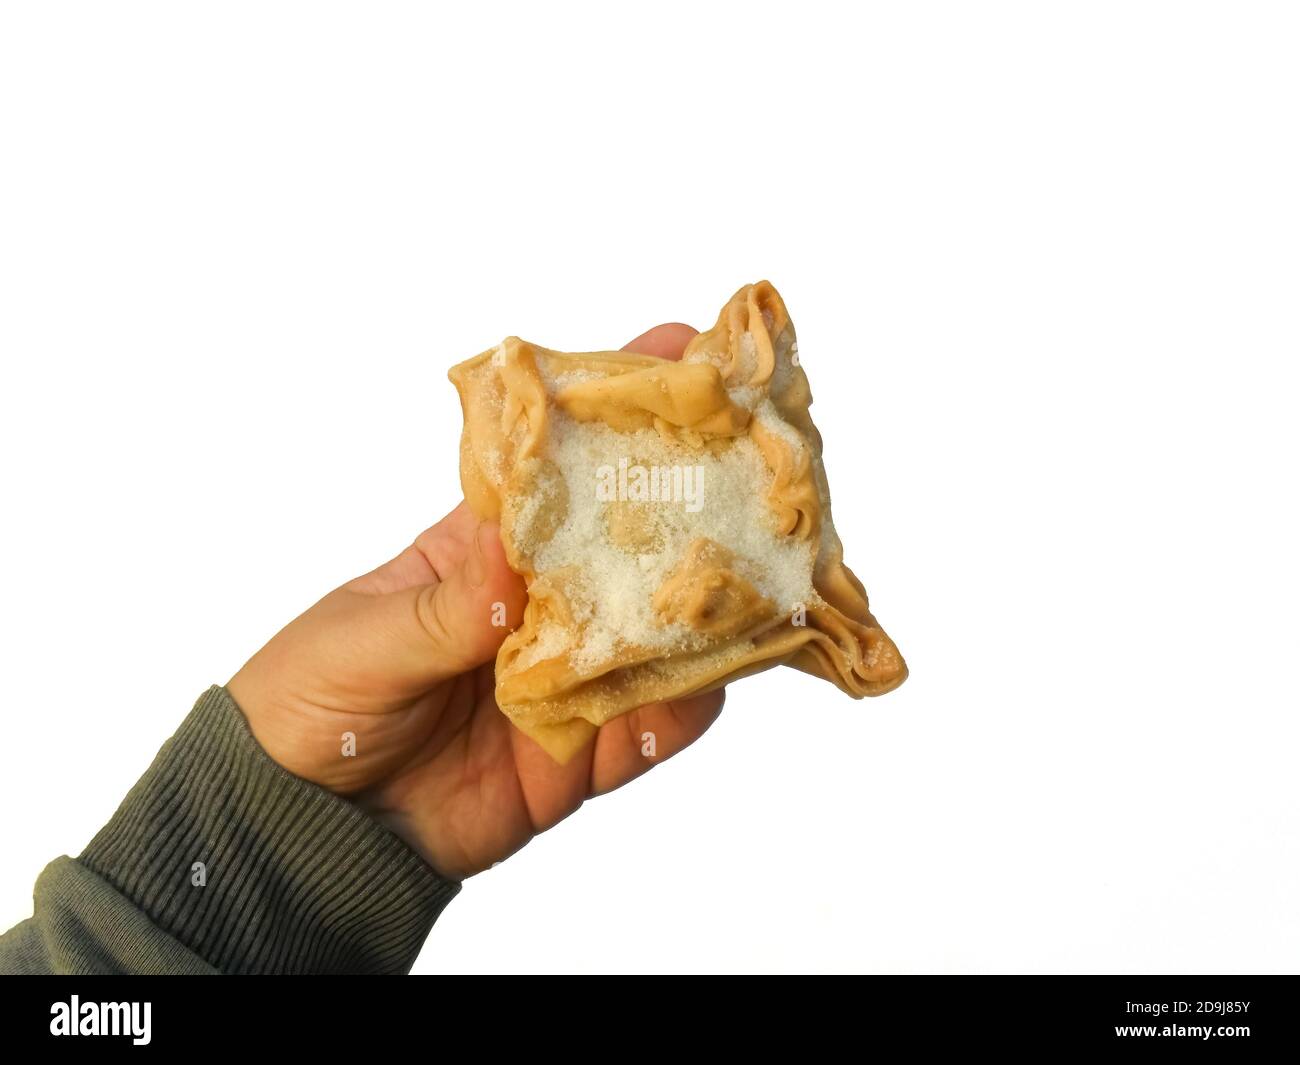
(748, 358)
(555, 379)
(766, 414)
(611, 585)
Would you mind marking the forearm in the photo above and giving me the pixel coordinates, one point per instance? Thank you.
(220, 861)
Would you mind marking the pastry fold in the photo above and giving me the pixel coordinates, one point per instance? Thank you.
(671, 520)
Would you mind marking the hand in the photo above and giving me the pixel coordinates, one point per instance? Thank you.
(403, 658)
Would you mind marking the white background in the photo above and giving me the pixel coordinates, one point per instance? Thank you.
(1044, 263)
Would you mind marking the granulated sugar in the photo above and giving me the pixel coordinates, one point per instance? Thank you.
(766, 414)
(615, 584)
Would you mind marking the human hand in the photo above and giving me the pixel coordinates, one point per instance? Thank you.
(403, 659)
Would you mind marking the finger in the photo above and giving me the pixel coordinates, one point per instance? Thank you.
(436, 551)
(550, 791)
(665, 341)
(438, 630)
(639, 740)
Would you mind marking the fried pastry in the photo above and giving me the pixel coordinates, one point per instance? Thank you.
(671, 520)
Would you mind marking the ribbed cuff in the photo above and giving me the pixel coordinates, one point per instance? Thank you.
(297, 880)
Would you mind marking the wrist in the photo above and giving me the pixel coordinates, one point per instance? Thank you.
(257, 870)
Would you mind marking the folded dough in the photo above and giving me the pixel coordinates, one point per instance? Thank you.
(671, 520)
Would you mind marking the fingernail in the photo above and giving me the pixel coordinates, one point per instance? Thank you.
(476, 569)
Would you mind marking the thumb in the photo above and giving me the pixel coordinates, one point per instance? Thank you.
(451, 626)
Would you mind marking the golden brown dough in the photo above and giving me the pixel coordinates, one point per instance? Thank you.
(672, 522)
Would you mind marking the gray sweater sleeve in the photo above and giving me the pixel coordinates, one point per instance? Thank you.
(220, 861)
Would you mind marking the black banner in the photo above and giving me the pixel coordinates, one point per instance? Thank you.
(1217, 1015)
